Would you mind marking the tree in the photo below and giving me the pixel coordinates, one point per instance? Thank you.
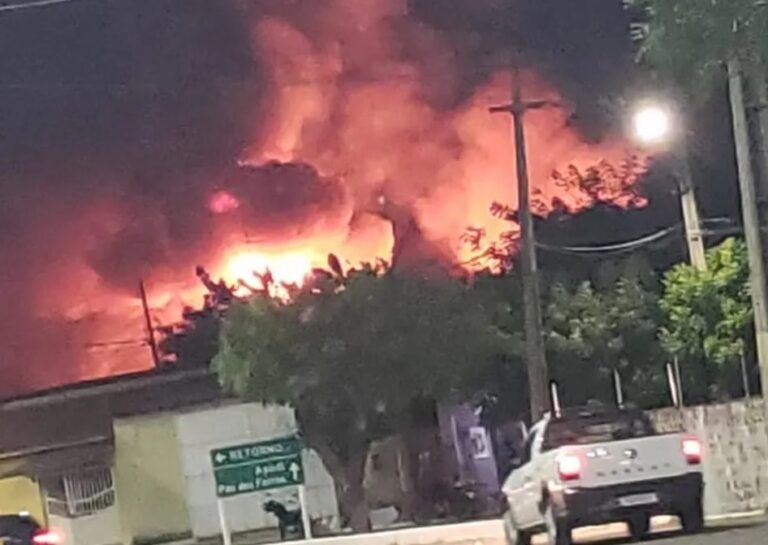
(594, 328)
(708, 318)
(689, 41)
(351, 356)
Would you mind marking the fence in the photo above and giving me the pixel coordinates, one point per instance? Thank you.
(736, 460)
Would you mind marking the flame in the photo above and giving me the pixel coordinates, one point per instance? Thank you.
(222, 202)
(289, 268)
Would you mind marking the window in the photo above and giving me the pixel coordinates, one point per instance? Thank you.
(79, 494)
(602, 428)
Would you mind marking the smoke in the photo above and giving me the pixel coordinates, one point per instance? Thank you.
(138, 140)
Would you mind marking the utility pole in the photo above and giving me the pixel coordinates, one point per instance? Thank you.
(536, 359)
(148, 323)
(691, 218)
(750, 216)
(760, 97)
(654, 129)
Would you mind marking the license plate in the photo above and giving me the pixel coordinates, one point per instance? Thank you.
(638, 499)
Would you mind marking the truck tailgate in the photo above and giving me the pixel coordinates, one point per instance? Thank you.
(640, 459)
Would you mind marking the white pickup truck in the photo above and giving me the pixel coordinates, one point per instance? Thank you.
(598, 466)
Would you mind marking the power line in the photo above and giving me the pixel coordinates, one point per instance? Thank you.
(617, 247)
(648, 239)
(4, 6)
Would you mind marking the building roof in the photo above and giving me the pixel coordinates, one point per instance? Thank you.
(72, 424)
(136, 393)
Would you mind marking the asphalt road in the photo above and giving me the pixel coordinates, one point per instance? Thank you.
(753, 535)
(744, 535)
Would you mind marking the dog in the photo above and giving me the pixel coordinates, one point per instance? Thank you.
(288, 521)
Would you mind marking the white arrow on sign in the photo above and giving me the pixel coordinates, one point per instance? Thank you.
(220, 457)
(295, 469)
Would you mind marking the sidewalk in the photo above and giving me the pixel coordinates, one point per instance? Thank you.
(478, 533)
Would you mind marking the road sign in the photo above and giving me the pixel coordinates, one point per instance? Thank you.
(256, 467)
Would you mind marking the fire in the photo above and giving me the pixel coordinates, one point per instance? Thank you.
(289, 268)
(361, 148)
(223, 202)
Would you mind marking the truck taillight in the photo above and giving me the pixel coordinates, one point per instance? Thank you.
(569, 467)
(46, 537)
(692, 450)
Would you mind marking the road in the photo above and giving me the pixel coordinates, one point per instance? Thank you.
(744, 535)
(740, 536)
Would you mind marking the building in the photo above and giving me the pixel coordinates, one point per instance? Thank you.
(126, 460)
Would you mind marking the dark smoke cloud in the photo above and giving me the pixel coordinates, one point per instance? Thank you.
(143, 104)
(285, 199)
(582, 47)
(138, 101)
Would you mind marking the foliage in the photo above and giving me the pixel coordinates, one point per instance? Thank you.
(708, 315)
(352, 355)
(689, 40)
(594, 328)
(502, 383)
(603, 183)
(194, 342)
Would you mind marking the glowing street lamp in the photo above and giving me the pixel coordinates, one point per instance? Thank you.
(652, 124)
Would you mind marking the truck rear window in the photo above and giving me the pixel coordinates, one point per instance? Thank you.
(596, 429)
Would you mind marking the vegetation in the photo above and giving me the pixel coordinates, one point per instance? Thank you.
(688, 41)
(352, 355)
(707, 320)
(596, 328)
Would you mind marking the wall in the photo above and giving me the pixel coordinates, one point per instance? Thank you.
(736, 456)
(148, 478)
(21, 494)
(200, 431)
(102, 528)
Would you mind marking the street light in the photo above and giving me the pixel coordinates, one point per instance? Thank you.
(652, 124)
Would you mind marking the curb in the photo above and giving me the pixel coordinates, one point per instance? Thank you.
(746, 517)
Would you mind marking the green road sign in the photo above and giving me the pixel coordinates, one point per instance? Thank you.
(256, 467)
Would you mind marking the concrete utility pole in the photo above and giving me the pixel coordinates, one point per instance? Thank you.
(536, 359)
(690, 208)
(759, 100)
(751, 218)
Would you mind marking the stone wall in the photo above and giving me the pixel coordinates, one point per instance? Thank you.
(736, 452)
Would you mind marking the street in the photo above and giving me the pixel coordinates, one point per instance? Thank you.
(741, 535)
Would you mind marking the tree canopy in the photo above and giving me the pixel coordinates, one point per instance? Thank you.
(351, 356)
(708, 318)
(689, 40)
(594, 328)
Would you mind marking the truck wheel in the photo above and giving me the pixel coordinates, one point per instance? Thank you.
(692, 517)
(639, 526)
(558, 529)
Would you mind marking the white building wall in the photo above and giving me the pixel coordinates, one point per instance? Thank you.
(202, 430)
(101, 528)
